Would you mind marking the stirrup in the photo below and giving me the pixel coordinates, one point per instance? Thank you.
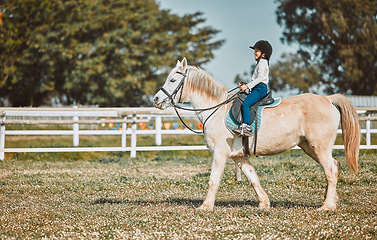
(243, 130)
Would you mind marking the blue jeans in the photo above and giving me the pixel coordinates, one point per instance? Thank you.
(257, 93)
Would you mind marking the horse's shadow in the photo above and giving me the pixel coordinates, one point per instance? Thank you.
(197, 202)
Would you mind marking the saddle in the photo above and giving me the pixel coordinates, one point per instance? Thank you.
(236, 112)
(236, 109)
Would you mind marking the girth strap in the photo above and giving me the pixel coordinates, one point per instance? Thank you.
(245, 139)
(245, 144)
(255, 132)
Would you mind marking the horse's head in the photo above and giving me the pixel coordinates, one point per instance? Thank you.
(171, 91)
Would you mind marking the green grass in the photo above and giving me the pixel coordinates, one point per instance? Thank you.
(110, 196)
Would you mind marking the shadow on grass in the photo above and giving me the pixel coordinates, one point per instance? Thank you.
(197, 202)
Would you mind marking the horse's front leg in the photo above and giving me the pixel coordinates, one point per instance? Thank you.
(218, 165)
(246, 167)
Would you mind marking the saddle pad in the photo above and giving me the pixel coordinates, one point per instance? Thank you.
(231, 123)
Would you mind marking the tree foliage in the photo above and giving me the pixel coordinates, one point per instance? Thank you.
(105, 52)
(340, 36)
(292, 72)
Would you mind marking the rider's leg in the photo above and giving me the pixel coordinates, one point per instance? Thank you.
(257, 93)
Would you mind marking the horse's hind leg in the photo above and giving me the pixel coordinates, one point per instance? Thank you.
(246, 167)
(331, 167)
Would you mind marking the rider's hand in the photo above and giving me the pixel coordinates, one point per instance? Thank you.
(243, 86)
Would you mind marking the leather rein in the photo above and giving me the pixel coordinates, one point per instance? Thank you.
(179, 88)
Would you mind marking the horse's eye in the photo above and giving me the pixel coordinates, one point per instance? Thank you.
(173, 80)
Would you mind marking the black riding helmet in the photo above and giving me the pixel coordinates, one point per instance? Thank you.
(264, 46)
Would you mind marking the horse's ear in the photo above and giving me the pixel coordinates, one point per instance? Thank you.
(178, 64)
(184, 64)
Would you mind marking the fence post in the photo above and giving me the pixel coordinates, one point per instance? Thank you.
(368, 142)
(2, 135)
(158, 124)
(124, 136)
(133, 136)
(76, 139)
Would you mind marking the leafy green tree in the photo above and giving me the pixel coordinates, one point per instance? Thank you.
(105, 52)
(341, 35)
(293, 72)
(18, 52)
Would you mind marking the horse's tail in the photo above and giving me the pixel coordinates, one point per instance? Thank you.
(350, 129)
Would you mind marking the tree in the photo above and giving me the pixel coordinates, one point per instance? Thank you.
(292, 72)
(341, 35)
(105, 52)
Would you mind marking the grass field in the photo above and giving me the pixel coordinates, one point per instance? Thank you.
(110, 196)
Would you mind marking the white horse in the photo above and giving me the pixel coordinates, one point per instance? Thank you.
(308, 121)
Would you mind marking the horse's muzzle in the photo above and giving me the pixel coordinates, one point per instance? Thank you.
(160, 102)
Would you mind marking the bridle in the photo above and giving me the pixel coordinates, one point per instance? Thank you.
(179, 87)
(175, 106)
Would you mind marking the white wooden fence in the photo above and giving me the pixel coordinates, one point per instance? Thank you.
(123, 116)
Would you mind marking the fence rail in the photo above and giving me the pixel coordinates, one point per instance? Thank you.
(124, 116)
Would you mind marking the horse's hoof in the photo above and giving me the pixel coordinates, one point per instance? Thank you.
(204, 208)
(327, 208)
(264, 205)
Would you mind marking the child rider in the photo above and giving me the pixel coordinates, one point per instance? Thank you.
(258, 86)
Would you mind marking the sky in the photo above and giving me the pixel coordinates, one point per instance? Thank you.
(242, 23)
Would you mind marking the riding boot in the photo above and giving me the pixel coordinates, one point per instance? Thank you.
(243, 130)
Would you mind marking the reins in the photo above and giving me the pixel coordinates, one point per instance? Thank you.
(175, 106)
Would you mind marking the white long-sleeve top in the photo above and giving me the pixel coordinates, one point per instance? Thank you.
(260, 74)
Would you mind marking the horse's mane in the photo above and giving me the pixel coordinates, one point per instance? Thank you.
(203, 83)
